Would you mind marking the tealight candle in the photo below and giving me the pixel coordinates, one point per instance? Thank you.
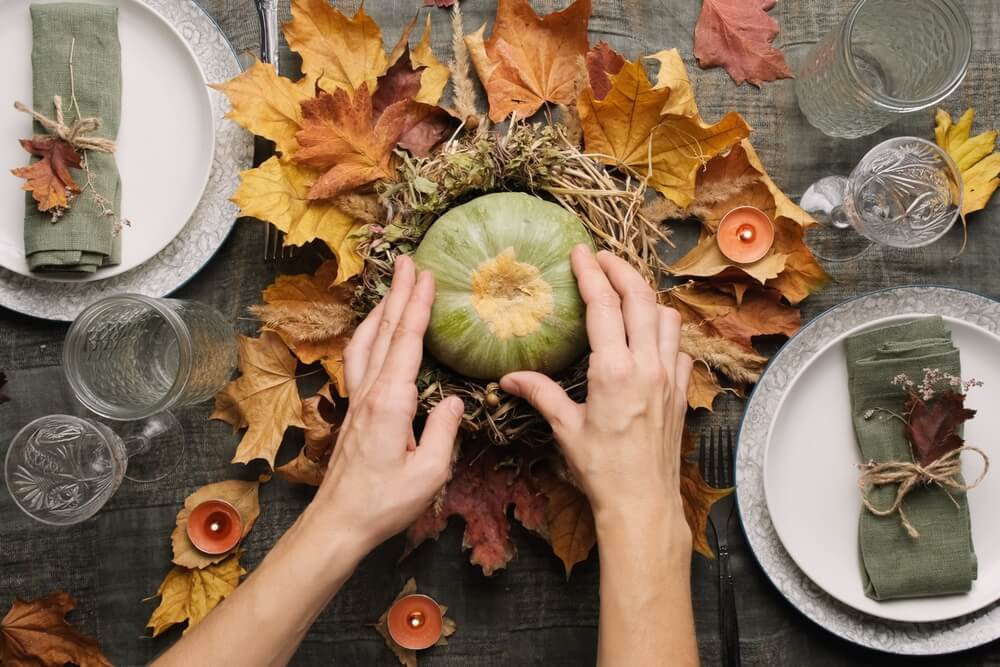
(215, 527)
(745, 234)
(415, 622)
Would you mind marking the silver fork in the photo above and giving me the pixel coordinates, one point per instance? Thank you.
(716, 457)
(267, 14)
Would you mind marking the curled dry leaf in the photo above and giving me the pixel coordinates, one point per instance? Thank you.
(528, 59)
(264, 399)
(48, 179)
(35, 633)
(244, 496)
(932, 427)
(188, 595)
(737, 35)
(408, 657)
(975, 157)
(322, 417)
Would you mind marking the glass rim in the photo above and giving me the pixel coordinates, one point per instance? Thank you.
(896, 104)
(108, 443)
(940, 152)
(185, 355)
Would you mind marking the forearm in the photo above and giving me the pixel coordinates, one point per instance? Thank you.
(265, 619)
(646, 614)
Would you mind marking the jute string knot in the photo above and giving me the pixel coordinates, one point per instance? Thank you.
(908, 475)
(75, 134)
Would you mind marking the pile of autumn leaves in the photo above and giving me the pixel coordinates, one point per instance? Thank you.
(338, 133)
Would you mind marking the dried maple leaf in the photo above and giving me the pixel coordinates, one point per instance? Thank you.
(602, 63)
(277, 191)
(3, 385)
(408, 657)
(35, 633)
(312, 316)
(569, 521)
(673, 75)
(244, 496)
(322, 417)
(703, 387)
(698, 497)
(482, 489)
(338, 52)
(264, 399)
(48, 179)
(626, 128)
(188, 595)
(975, 157)
(737, 35)
(932, 426)
(434, 74)
(268, 105)
(529, 60)
(400, 82)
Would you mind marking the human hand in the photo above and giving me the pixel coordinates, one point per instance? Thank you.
(624, 444)
(379, 480)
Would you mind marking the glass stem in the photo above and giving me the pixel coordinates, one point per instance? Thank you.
(839, 218)
(136, 445)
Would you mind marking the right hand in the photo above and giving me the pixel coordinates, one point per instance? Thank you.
(624, 444)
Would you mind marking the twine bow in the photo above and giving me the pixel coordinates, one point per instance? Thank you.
(907, 474)
(76, 134)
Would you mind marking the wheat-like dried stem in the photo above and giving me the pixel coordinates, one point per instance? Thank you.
(461, 80)
(722, 354)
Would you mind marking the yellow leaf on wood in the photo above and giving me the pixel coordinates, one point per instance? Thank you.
(975, 157)
(244, 496)
(702, 387)
(188, 595)
(35, 633)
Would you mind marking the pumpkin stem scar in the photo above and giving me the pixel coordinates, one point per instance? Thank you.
(510, 296)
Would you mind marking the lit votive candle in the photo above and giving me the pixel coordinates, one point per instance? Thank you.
(745, 234)
(215, 527)
(415, 622)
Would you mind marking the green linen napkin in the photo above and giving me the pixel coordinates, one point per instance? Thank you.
(83, 240)
(942, 560)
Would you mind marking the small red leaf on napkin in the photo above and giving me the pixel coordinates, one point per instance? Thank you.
(932, 427)
(48, 179)
(737, 35)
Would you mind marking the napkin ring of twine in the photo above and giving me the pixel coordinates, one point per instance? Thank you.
(75, 134)
(908, 475)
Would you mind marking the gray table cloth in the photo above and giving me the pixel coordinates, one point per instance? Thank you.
(527, 614)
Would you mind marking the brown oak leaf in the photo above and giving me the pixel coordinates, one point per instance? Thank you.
(737, 35)
(48, 179)
(35, 633)
(189, 595)
(408, 657)
(528, 59)
(244, 496)
(483, 487)
(264, 399)
(932, 426)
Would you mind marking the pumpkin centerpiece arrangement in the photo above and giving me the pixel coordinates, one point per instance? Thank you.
(506, 299)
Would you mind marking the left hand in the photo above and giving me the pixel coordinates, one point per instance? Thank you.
(379, 480)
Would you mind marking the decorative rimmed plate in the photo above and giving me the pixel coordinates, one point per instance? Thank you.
(971, 317)
(176, 254)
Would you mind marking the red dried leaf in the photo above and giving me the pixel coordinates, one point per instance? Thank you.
(400, 82)
(737, 35)
(48, 179)
(483, 488)
(36, 633)
(602, 63)
(932, 428)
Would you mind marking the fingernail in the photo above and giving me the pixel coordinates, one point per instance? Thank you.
(455, 405)
(509, 384)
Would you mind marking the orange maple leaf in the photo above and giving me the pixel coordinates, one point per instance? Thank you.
(36, 632)
(49, 180)
(529, 60)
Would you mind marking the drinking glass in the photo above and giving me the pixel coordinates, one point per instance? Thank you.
(134, 358)
(61, 469)
(905, 192)
(888, 58)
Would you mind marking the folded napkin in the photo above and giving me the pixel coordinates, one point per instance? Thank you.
(942, 560)
(83, 239)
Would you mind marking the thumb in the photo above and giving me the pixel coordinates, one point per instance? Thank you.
(542, 392)
(438, 439)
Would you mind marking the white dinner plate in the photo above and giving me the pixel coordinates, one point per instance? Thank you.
(796, 477)
(165, 141)
(176, 185)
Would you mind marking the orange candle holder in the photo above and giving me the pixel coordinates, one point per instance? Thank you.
(215, 527)
(415, 622)
(745, 234)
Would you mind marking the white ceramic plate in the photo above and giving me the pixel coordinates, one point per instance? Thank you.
(165, 141)
(803, 395)
(195, 236)
(811, 474)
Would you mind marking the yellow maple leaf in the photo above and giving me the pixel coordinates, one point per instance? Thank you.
(264, 399)
(188, 595)
(268, 105)
(337, 51)
(673, 75)
(975, 157)
(277, 191)
(626, 128)
(242, 495)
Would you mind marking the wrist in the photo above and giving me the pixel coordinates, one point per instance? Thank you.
(333, 542)
(661, 525)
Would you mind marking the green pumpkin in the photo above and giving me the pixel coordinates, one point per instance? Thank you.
(506, 299)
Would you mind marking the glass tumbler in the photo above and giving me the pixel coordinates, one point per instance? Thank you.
(888, 58)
